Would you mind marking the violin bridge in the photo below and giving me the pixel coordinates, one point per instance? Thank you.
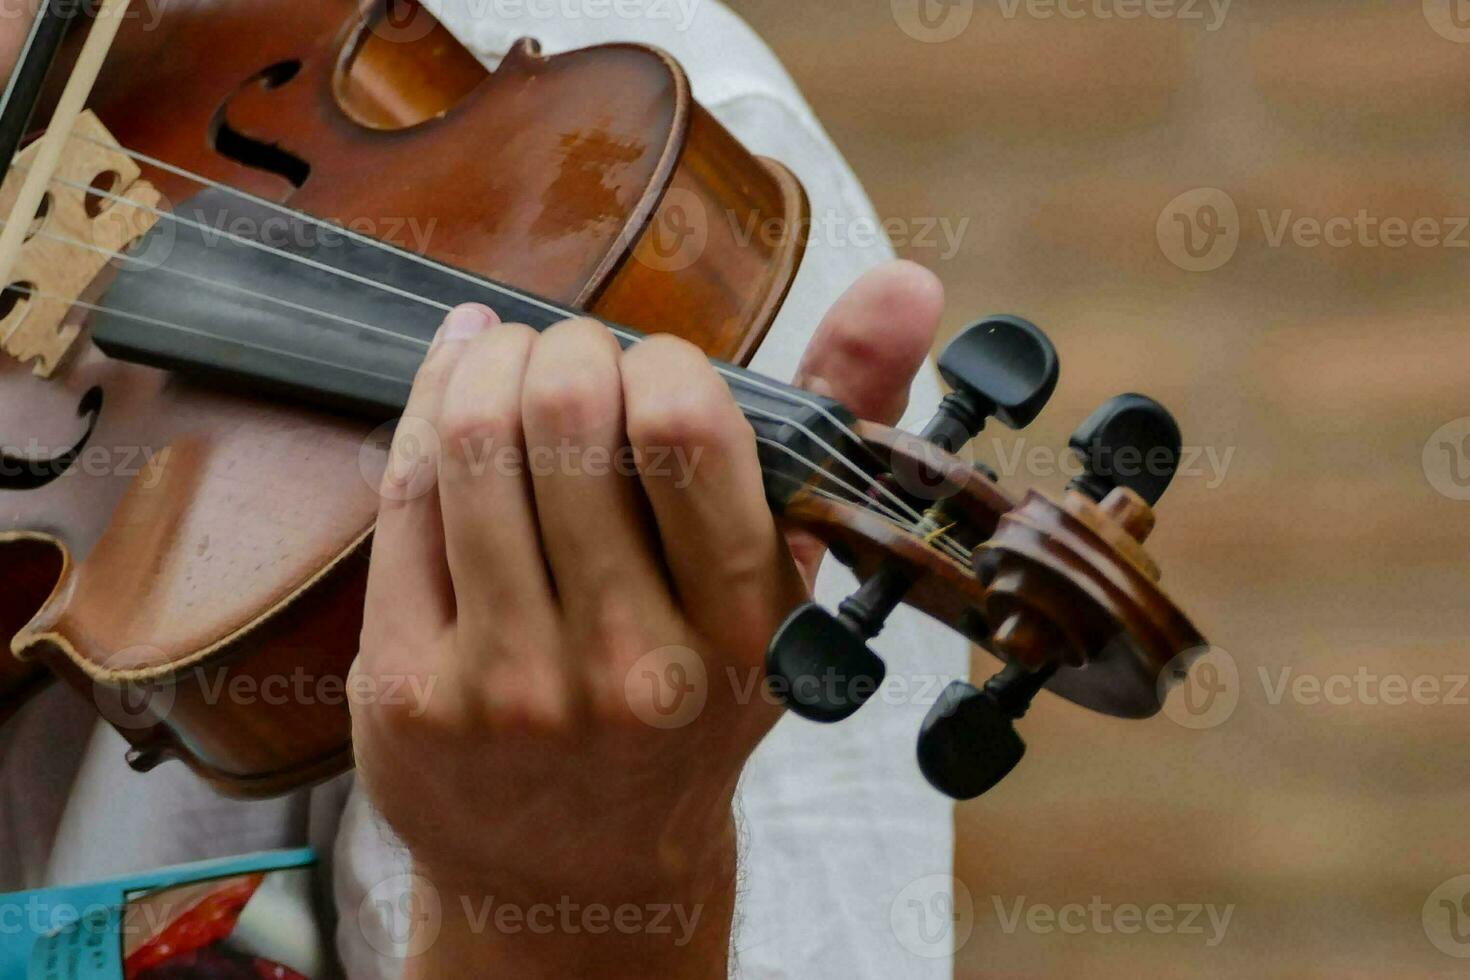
(72, 238)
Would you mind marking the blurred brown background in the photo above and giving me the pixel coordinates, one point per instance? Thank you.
(1326, 552)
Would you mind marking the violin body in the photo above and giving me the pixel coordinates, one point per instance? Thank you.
(199, 567)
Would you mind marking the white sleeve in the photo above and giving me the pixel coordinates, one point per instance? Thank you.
(841, 833)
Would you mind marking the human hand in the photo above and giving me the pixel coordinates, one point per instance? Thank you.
(555, 607)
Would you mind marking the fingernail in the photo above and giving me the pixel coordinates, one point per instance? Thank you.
(463, 323)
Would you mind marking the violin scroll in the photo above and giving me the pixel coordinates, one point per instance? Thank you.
(1003, 367)
(1069, 586)
(1063, 592)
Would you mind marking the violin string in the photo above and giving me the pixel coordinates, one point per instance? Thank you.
(445, 308)
(369, 242)
(282, 209)
(33, 293)
(961, 558)
(248, 242)
(915, 518)
(942, 543)
(391, 334)
(857, 497)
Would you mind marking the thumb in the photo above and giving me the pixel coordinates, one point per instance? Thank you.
(865, 354)
(874, 339)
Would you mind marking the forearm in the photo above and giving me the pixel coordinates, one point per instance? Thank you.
(681, 932)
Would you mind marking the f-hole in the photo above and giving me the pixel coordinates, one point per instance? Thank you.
(23, 473)
(235, 145)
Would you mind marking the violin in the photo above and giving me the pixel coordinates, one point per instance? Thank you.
(217, 300)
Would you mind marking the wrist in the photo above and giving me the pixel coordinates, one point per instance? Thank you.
(674, 923)
(632, 848)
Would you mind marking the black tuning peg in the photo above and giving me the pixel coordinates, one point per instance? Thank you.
(1130, 441)
(820, 664)
(1002, 367)
(968, 742)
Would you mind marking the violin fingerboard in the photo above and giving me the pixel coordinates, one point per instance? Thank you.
(253, 298)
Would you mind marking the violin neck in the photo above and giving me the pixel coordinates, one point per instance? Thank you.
(321, 317)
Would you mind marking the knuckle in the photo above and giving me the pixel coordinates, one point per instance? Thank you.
(413, 459)
(520, 688)
(617, 623)
(410, 721)
(415, 438)
(693, 418)
(582, 329)
(616, 696)
(648, 685)
(862, 347)
(573, 399)
(401, 719)
(470, 421)
(661, 352)
(525, 704)
(696, 412)
(509, 338)
(469, 434)
(749, 567)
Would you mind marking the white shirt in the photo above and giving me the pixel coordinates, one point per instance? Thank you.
(846, 852)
